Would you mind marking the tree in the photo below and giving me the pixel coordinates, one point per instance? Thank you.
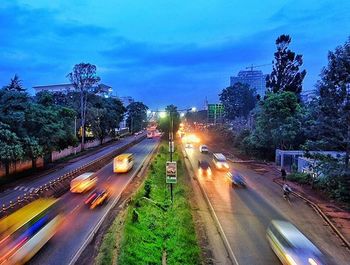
(137, 116)
(83, 77)
(172, 116)
(238, 100)
(285, 75)
(331, 127)
(277, 124)
(32, 149)
(10, 147)
(15, 84)
(13, 105)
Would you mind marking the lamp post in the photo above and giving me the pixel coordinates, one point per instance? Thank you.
(162, 114)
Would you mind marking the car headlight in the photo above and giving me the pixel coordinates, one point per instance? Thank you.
(290, 260)
(312, 261)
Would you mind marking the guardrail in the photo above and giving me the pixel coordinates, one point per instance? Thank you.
(60, 185)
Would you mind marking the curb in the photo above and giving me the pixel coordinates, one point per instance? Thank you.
(213, 214)
(140, 169)
(320, 212)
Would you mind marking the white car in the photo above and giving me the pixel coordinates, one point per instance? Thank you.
(203, 148)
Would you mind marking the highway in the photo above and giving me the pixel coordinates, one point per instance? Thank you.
(244, 214)
(79, 220)
(26, 185)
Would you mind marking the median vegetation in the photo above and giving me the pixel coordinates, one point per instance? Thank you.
(155, 230)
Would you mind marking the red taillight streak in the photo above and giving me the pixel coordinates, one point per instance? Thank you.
(90, 198)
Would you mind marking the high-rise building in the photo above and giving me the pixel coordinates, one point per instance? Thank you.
(254, 78)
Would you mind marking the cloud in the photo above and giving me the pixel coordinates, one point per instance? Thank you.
(127, 53)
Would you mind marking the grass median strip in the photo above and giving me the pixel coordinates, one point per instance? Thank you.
(155, 230)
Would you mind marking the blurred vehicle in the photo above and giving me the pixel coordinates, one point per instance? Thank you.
(24, 232)
(122, 132)
(204, 168)
(83, 183)
(188, 145)
(236, 179)
(203, 148)
(123, 163)
(291, 246)
(149, 134)
(220, 161)
(97, 197)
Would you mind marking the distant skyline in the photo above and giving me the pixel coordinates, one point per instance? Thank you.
(164, 52)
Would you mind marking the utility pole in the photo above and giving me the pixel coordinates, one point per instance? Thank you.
(171, 147)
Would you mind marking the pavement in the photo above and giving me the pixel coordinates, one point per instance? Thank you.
(244, 214)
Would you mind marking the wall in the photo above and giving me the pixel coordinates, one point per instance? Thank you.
(21, 166)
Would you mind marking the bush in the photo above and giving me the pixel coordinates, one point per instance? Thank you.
(147, 188)
(302, 178)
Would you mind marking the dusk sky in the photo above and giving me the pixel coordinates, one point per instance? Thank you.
(164, 52)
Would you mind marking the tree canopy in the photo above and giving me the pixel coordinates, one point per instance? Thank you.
(137, 116)
(238, 100)
(286, 75)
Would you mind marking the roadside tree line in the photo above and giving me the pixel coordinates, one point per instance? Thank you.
(282, 120)
(35, 126)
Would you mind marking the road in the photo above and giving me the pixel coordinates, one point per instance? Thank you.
(28, 184)
(244, 214)
(80, 221)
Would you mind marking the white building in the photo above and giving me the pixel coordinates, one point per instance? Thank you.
(100, 90)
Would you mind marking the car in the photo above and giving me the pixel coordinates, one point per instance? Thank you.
(236, 179)
(188, 145)
(97, 197)
(291, 246)
(220, 162)
(204, 168)
(203, 148)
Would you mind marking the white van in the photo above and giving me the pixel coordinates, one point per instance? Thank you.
(220, 161)
(291, 246)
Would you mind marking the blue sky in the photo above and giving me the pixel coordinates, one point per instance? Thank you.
(164, 52)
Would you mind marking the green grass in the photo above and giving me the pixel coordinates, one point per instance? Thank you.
(161, 227)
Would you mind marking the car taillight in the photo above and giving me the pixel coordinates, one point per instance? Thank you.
(91, 197)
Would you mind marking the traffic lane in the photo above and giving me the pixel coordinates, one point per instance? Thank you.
(299, 213)
(80, 220)
(243, 214)
(31, 184)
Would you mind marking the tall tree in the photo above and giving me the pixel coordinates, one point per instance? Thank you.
(171, 119)
(15, 84)
(277, 124)
(137, 116)
(286, 75)
(83, 77)
(10, 147)
(238, 100)
(332, 126)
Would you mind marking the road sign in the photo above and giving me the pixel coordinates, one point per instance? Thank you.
(171, 172)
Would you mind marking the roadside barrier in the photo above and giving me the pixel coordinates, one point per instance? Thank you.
(60, 185)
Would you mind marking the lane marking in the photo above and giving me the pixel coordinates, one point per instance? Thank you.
(221, 230)
(98, 225)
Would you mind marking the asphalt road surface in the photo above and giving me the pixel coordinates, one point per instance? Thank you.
(30, 184)
(80, 221)
(244, 214)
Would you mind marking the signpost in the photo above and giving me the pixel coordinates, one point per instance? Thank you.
(171, 172)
